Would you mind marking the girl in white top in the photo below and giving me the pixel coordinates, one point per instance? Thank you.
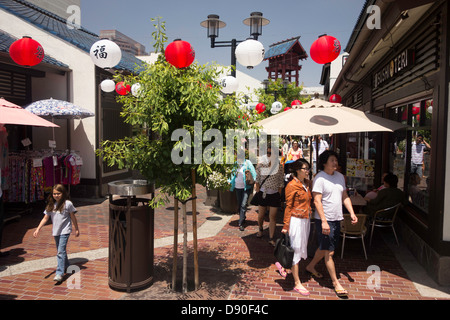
(62, 213)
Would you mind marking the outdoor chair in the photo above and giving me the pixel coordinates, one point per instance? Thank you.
(353, 231)
(385, 218)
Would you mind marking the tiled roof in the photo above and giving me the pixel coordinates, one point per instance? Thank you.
(281, 48)
(6, 40)
(57, 26)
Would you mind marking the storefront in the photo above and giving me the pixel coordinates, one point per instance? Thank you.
(400, 71)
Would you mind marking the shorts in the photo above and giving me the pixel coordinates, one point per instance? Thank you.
(328, 242)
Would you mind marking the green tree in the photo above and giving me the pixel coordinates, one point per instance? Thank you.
(171, 99)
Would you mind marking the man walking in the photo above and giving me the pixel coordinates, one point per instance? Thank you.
(329, 193)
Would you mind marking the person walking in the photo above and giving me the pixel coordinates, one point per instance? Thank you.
(323, 146)
(297, 218)
(329, 193)
(243, 188)
(62, 212)
(295, 152)
(269, 181)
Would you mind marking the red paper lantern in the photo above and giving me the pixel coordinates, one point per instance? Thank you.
(415, 110)
(287, 108)
(180, 54)
(26, 52)
(335, 98)
(325, 49)
(260, 108)
(123, 89)
(296, 103)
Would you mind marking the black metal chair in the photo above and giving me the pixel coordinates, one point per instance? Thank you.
(384, 218)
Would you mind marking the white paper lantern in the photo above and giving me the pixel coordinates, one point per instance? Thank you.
(229, 84)
(136, 89)
(277, 106)
(108, 85)
(430, 109)
(250, 53)
(106, 54)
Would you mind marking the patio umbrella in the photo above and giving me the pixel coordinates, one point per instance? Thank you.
(319, 117)
(58, 109)
(14, 114)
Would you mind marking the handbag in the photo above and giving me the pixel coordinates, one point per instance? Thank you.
(283, 251)
(249, 178)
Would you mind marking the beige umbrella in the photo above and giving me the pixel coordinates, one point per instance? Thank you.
(321, 117)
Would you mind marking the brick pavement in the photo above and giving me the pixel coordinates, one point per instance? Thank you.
(233, 265)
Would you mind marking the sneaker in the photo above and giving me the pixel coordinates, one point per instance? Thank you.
(57, 278)
(241, 227)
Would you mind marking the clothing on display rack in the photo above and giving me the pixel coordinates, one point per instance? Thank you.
(31, 174)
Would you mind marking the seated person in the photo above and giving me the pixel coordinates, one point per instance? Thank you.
(387, 197)
(414, 191)
(372, 194)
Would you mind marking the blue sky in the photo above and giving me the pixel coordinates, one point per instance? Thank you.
(288, 18)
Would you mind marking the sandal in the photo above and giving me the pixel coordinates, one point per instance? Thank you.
(341, 293)
(260, 233)
(281, 270)
(272, 242)
(302, 291)
(316, 275)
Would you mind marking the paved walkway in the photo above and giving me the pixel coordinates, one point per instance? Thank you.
(233, 264)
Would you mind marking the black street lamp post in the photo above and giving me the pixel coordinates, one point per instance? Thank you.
(275, 92)
(213, 24)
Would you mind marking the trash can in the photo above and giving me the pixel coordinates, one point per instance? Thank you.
(131, 235)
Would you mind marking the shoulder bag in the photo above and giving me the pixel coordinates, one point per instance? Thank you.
(283, 251)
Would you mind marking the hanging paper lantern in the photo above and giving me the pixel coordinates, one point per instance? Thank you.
(26, 52)
(229, 84)
(108, 85)
(296, 103)
(123, 89)
(180, 54)
(287, 108)
(260, 108)
(325, 49)
(415, 110)
(136, 89)
(430, 109)
(277, 106)
(250, 53)
(335, 98)
(105, 54)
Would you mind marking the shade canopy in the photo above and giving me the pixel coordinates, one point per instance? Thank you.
(13, 114)
(321, 117)
(58, 109)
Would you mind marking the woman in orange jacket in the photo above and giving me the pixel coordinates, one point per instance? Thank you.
(297, 218)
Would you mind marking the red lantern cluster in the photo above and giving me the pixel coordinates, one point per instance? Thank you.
(180, 54)
(335, 98)
(260, 108)
(325, 49)
(26, 52)
(123, 89)
(296, 103)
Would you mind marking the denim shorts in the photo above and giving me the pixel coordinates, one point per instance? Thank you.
(328, 242)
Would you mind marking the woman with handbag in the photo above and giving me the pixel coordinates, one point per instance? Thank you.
(268, 185)
(297, 218)
(242, 180)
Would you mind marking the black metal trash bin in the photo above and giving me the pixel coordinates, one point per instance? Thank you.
(131, 235)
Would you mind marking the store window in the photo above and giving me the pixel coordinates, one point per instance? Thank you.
(410, 152)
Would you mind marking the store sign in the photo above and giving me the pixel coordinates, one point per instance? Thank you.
(402, 61)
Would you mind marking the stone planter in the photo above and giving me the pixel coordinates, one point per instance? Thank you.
(212, 198)
(228, 202)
